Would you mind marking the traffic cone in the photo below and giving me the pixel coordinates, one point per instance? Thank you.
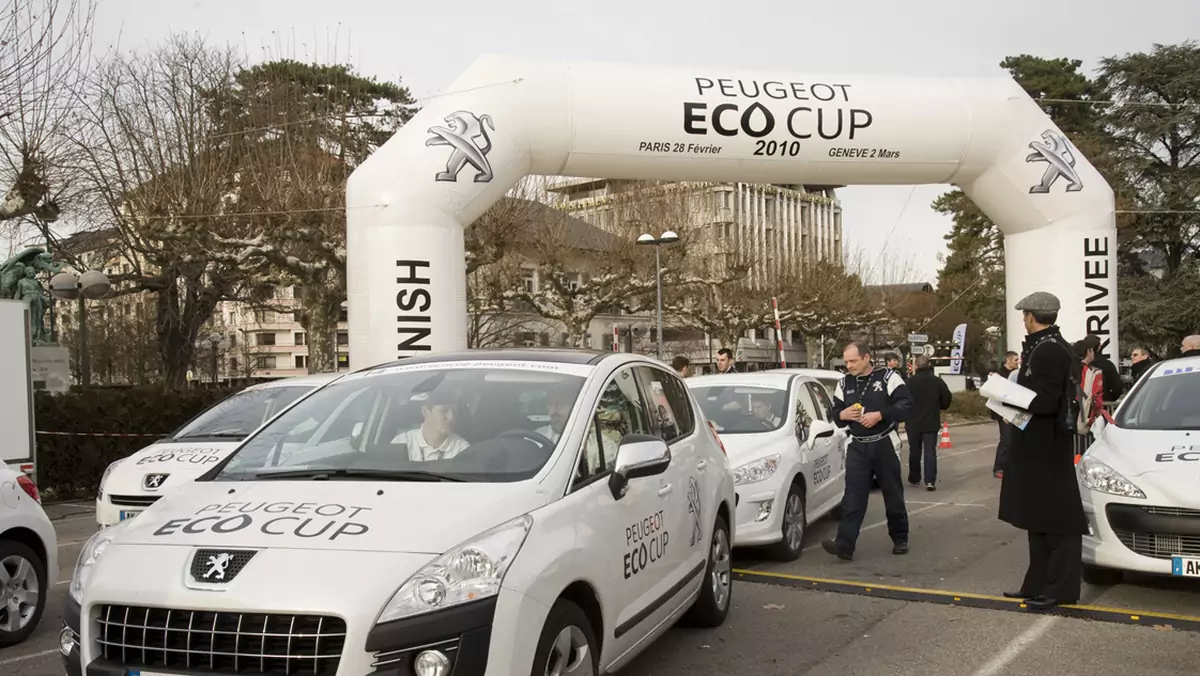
(945, 443)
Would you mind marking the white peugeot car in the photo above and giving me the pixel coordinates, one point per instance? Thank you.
(1140, 480)
(788, 455)
(132, 484)
(28, 556)
(424, 517)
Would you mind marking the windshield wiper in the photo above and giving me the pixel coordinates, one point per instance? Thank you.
(384, 474)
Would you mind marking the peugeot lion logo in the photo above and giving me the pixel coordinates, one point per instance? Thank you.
(154, 481)
(1055, 151)
(218, 566)
(469, 138)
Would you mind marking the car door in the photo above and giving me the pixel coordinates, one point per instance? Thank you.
(820, 452)
(633, 533)
(689, 476)
(837, 441)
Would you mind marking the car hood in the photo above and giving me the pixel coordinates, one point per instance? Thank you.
(744, 448)
(168, 464)
(392, 516)
(1167, 460)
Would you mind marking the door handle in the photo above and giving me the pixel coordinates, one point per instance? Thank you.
(663, 490)
(701, 465)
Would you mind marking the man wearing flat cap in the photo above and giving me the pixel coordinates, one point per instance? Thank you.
(1039, 493)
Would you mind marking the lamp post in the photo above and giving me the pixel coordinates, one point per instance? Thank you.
(216, 342)
(666, 239)
(91, 285)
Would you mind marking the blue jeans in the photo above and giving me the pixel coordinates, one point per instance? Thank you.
(922, 444)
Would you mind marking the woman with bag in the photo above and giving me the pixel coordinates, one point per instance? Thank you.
(1092, 382)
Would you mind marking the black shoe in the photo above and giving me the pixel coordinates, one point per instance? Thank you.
(900, 548)
(914, 482)
(832, 547)
(1020, 595)
(1044, 602)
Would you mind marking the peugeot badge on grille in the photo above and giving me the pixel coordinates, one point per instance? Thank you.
(219, 566)
(153, 481)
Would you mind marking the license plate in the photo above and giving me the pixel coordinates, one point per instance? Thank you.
(1185, 567)
(125, 516)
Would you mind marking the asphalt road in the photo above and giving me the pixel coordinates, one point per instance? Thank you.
(957, 545)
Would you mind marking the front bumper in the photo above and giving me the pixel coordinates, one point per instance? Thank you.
(68, 638)
(759, 513)
(1135, 536)
(111, 510)
(303, 618)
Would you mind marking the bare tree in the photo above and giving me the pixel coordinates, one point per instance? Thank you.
(164, 182)
(44, 46)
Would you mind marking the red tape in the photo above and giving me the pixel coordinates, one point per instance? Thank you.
(98, 434)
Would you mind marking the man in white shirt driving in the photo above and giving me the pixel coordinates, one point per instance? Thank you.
(435, 438)
(558, 405)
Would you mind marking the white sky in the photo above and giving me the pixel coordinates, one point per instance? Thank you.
(427, 44)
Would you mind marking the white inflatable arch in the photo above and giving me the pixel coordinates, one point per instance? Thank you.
(505, 118)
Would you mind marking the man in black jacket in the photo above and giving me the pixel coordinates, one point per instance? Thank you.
(1040, 492)
(930, 397)
(870, 402)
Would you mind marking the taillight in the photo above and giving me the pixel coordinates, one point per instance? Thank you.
(30, 487)
(713, 428)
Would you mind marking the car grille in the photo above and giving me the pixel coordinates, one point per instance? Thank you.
(133, 500)
(221, 642)
(1173, 511)
(1159, 546)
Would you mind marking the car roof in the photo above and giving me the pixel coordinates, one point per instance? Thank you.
(772, 378)
(544, 354)
(819, 374)
(1175, 366)
(311, 380)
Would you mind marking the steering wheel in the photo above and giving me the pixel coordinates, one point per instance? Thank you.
(527, 435)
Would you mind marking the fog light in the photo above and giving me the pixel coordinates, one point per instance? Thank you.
(764, 511)
(432, 663)
(67, 640)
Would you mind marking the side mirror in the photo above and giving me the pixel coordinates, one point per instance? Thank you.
(639, 455)
(822, 429)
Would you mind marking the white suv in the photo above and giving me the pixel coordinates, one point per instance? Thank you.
(28, 556)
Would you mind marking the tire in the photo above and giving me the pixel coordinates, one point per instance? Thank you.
(1101, 577)
(22, 592)
(794, 525)
(566, 625)
(716, 589)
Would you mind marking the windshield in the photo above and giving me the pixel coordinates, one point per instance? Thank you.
(743, 409)
(237, 416)
(460, 423)
(1165, 401)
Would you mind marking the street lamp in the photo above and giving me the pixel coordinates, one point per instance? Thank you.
(216, 342)
(666, 239)
(91, 285)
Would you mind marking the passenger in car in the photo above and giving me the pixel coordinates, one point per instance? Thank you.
(435, 439)
(558, 406)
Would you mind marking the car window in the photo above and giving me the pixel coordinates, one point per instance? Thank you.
(806, 410)
(620, 411)
(743, 409)
(241, 414)
(823, 401)
(467, 422)
(1165, 399)
(668, 402)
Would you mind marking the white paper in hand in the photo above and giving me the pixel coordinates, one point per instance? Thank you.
(1007, 392)
(1014, 416)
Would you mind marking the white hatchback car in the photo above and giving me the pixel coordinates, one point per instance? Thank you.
(788, 455)
(423, 517)
(28, 556)
(1140, 480)
(132, 484)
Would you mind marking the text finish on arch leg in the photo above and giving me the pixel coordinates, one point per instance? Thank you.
(414, 301)
(1097, 279)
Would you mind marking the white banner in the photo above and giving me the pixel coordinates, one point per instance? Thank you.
(956, 352)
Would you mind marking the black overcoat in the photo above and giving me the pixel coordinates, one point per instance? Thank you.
(1039, 492)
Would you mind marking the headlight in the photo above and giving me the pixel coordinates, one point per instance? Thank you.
(753, 472)
(88, 556)
(471, 571)
(1098, 476)
(108, 470)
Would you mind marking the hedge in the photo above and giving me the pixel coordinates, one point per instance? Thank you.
(967, 405)
(71, 461)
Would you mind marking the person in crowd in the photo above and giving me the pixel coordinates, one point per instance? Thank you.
(1141, 362)
(930, 396)
(1113, 387)
(1190, 346)
(682, 366)
(870, 402)
(1091, 381)
(893, 362)
(1040, 492)
(725, 362)
(1011, 361)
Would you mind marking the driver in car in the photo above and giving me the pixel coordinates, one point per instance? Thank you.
(435, 438)
(761, 408)
(558, 405)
